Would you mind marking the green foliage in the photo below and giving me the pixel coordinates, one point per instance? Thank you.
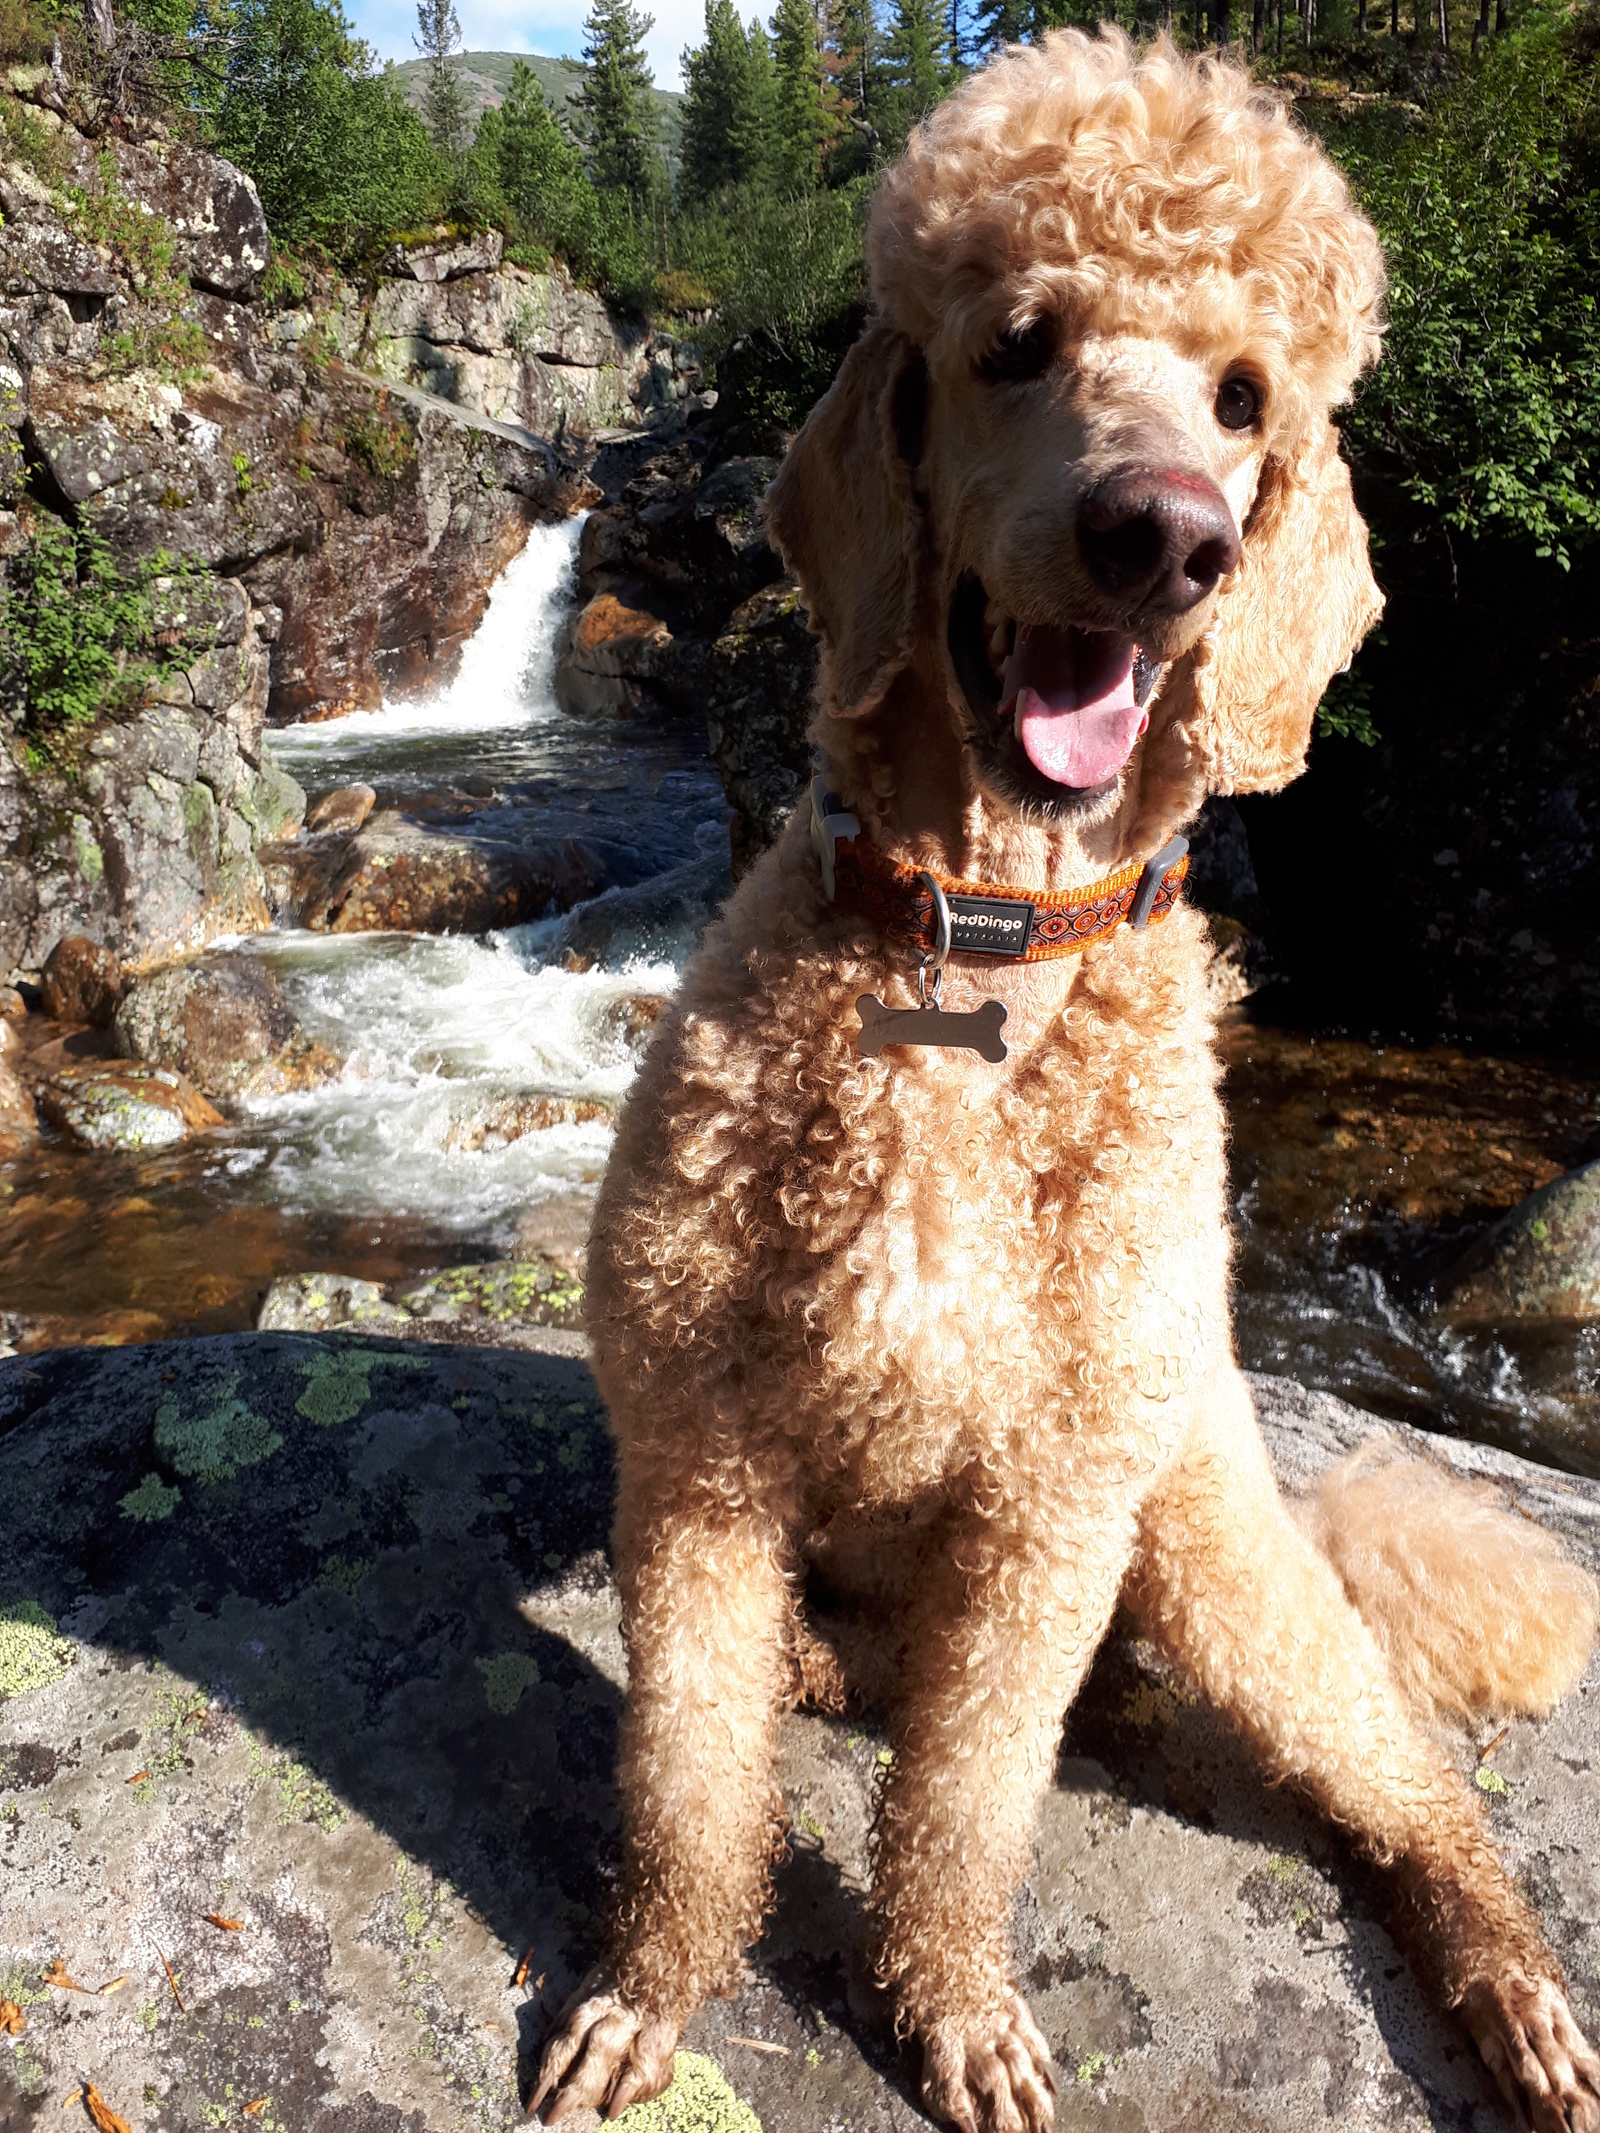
(1487, 403)
(808, 104)
(338, 155)
(615, 112)
(917, 65)
(727, 106)
(381, 442)
(444, 101)
(524, 173)
(77, 634)
(1345, 711)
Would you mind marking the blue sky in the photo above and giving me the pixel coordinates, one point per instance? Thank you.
(551, 26)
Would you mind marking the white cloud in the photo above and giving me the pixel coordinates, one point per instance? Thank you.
(514, 26)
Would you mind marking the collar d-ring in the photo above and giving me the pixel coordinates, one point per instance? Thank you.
(941, 913)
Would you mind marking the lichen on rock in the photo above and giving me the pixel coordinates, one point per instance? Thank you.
(214, 1443)
(33, 1653)
(700, 2100)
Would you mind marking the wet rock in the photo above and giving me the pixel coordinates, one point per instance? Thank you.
(340, 1607)
(317, 1303)
(634, 1017)
(343, 811)
(759, 698)
(502, 1303)
(500, 1120)
(225, 1024)
(1542, 1260)
(396, 875)
(106, 1104)
(18, 1119)
(81, 982)
(607, 657)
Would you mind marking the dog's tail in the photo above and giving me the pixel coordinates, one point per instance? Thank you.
(1479, 1610)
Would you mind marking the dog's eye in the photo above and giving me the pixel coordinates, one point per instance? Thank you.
(1238, 404)
(1024, 352)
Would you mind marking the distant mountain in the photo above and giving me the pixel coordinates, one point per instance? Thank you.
(486, 76)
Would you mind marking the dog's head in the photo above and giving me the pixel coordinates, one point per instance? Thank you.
(1080, 464)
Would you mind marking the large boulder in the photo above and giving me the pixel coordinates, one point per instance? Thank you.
(225, 1024)
(396, 874)
(445, 314)
(759, 697)
(611, 659)
(81, 982)
(1539, 1261)
(317, 1636)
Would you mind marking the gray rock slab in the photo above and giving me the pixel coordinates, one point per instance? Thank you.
(316, 1635)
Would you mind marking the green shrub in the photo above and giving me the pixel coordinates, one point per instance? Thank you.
(381, 442)
(78, 635)
(1486, 407)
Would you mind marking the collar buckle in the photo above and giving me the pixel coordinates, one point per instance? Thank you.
(1155, 872)
(829, 822)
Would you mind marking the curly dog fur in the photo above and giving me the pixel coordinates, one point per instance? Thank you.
(951, 1339)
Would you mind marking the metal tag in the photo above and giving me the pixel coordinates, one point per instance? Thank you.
(976, 1032)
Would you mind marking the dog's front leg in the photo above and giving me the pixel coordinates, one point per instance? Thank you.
(706, 1601)
(1001, 1640)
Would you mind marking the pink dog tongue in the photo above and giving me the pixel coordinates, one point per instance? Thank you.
(1071, 692)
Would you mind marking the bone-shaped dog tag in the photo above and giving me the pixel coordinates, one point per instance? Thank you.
(977, 1032)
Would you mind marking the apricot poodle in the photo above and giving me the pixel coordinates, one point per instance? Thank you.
(927, 1304)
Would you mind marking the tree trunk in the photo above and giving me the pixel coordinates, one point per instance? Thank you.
(1499, 17)
(1394, 18)
(1219, 22)
(1361, 18)
(100, 24)
(1444, 24)
(1258, 27)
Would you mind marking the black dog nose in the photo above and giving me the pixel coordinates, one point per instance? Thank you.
(1156, 540)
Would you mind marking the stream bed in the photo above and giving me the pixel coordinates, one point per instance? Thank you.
(1360, 1171)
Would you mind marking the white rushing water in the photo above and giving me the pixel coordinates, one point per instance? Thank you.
(504, 679)
(441, 1036)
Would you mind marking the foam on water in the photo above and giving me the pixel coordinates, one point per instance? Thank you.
(432, 1030)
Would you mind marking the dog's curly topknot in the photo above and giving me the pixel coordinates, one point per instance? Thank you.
(1150, 190)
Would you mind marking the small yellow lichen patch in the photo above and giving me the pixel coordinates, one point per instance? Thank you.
(32, 1652)
(699, 2101)
(1153, 1703)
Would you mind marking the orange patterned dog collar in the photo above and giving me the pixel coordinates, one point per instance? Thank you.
(941, 912)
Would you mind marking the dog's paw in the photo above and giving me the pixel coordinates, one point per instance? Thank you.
(1547, 2070)
(995, 2079)
(604, 2056)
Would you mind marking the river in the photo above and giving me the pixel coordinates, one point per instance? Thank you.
(1359, 1171)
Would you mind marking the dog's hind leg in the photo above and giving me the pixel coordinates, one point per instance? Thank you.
(707, 1598)
(1226, 1581)
(998, 1641)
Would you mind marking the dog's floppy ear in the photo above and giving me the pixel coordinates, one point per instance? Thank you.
(1299, 604)
(844, 515)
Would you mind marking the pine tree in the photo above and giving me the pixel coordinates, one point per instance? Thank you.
(1001, 22)
(860, 78)
(754, 122)
(720, 127)
(807, 98)
(444, 102)
(916, 60)
(616, 108)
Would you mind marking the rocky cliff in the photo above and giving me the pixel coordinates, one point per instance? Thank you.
(332, 534)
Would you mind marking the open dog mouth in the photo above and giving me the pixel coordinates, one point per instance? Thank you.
(1057, 709)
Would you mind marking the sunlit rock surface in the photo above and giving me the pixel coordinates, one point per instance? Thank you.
(317, 1636)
